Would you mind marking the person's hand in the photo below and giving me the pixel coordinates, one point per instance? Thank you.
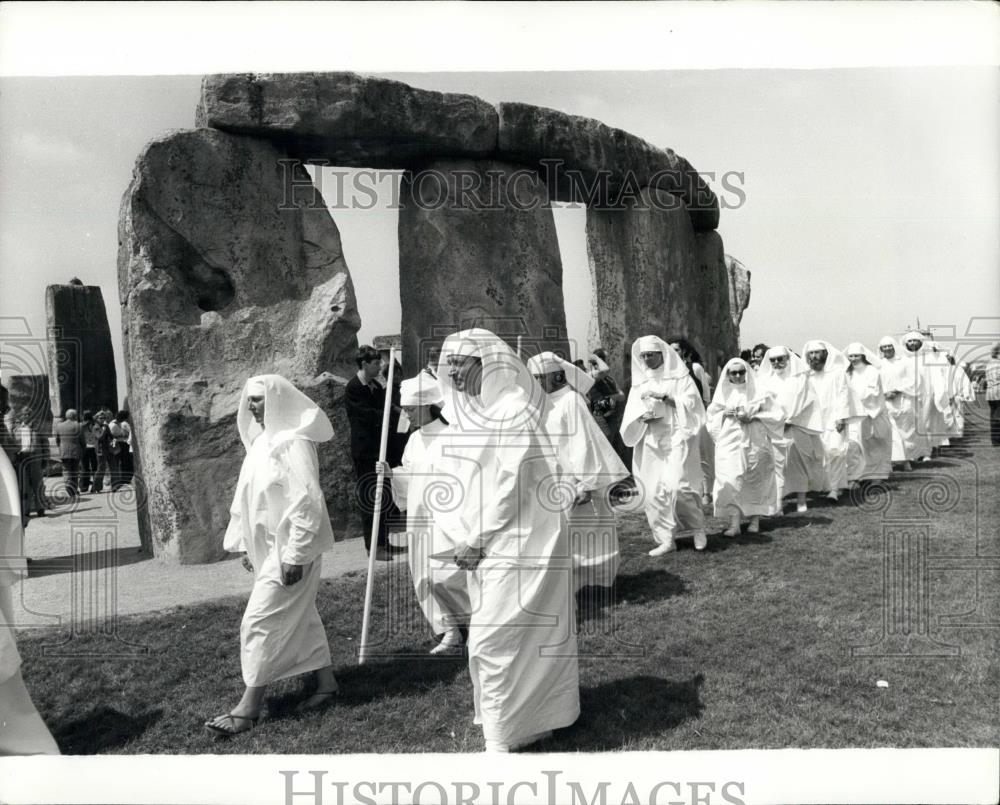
(468, 557)
(742, 416)
(384, 468)
(290, 574)
(582, 497)
(841, 424)
(649, 416)
(247, 564)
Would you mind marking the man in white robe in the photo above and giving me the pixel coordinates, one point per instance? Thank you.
(798, 455)
(933, 398)
(22, 731)
(899, 384)
(663, 416)
(508, 519)
(869, 431)
(441, 587)
(588, 464)
(962, 394)
(743, 423)
(279, 519)
(828, 378)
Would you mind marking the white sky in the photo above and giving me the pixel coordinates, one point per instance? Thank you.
(871, 193)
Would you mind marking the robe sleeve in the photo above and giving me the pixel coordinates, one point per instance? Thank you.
(234, 539)
(400, 480)
(306, 504)
(715, 419)
(690, 408)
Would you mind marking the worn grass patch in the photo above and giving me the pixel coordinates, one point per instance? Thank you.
(747, 645)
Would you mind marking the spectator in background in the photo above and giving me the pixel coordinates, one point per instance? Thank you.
(121, 448)
(88, 464)
(105, 460)
(32, 452)
(757, 356)
(607, 401)
(70, 440)
(992, 378)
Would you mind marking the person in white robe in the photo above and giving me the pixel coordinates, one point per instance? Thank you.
(933, 399)
(798, 454)
(743, 423)
(664, 414)
(589, 466)
(869, 431)
(899, 384)
(441, 587)
(827, 375)
(279, 519)
(510, 524)
(22, 731)
(962, 394)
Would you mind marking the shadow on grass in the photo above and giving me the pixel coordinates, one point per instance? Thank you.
(52, 515)
(793, 522)
(412, 673)
(94, 560)
(617, 713)
(636, 588)
(103, 729)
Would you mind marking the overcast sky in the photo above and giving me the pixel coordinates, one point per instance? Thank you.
(871, 194)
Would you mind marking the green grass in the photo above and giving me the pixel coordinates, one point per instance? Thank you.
(744, 646)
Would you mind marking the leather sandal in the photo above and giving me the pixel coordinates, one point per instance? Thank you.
(231, 730)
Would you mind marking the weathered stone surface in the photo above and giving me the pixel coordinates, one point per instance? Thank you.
(220, 279)
(348, 119)
(29, 395)
(739, 288)
(491, 259)
(653, 274)
(592, 149)
(81, 359)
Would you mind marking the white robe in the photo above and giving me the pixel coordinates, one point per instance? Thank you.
(899, 385)
(279, 515)
(744, 456)
(22, 731)
(933, 399)
(830, 385)
(589, 464)
(869, 451)
(666, 456)
(440, 586)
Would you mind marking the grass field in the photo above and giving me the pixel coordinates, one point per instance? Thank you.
(747, 645)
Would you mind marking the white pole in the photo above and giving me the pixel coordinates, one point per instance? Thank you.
(377, 519)
(519, 346)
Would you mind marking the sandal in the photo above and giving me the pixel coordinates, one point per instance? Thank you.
(231, 730)
(318, 700)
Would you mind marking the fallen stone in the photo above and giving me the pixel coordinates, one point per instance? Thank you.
(478, 247)
(739, 288)
(347, 119)
(224, 273)
(81, 359)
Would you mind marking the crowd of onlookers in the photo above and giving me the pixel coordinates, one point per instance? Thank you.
(92, 451)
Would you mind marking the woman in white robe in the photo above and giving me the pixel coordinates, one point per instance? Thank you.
(799, 453)
(440, 586)
(663, 416)
(743, 422)
(507, 517)
(279, 519)
(899, 384)
(589, 467)
(869, 431)
(22, 731)
(962, 395)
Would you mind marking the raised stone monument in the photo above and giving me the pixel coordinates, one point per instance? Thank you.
(230, 265)
(81, 359)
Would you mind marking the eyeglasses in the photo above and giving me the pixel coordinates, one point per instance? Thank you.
(780, 359)
(737, 372)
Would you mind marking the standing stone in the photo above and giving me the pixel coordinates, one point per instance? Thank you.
(229, 265)
(652, 274)
(478, 247)
(739, 288)
(81, 359)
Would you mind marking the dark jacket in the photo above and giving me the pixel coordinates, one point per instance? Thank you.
(364, 413)
(69, 437)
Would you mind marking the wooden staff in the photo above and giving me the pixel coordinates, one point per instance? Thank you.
(377, 519)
